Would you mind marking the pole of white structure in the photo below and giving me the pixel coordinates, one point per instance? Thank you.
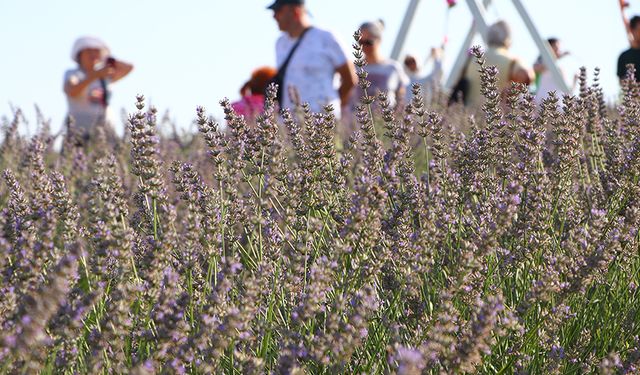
(479, 17)
(545, 50)
(461, 60)
(404, 29)
(463, 55)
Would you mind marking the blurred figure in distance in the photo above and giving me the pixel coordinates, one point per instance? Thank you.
(385, 75)
(88, 86)
(544, 80)
(430, 82)
(318, 56)
(634, 41)
(510, 68)
(252, 102)
(631, 55)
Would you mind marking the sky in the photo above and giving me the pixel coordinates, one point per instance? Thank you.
(193, 53)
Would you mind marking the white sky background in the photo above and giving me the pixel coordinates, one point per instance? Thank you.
(195, 52)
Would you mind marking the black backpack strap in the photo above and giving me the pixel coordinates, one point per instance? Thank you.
(279, 77)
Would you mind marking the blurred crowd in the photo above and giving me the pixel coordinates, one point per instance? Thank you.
(313, 66)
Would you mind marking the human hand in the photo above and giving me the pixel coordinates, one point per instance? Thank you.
(623, 4)
(106, 71)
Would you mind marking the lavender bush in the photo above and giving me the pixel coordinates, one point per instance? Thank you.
(433, 241)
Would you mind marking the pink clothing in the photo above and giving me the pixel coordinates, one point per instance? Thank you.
(249, 106)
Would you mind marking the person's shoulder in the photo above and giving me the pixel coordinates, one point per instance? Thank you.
(625, 56)
(319, 30)
(283, 38)
(500, 53)
(323, 33)
(73, 72)
(392, 64)
(328, 40)
(631, 52)
(399, 69)
(396, 64)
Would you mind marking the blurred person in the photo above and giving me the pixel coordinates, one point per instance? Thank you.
(411, 66)
(544, 79)
(510, 68)
(88, 86)
(429, 82)
(631, 55)
(252, 102)
(634, 41)
(308, 59)
(385, 75)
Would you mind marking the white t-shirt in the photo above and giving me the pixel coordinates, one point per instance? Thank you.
(87, 109)
(311, 70)
(548, 84)
(387, 77)
(429, 83)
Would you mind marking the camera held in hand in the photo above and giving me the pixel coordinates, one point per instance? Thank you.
(111, 62)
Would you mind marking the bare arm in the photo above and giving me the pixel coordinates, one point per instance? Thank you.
(400, 95)
(526, 75)
(539, 67)
(632, 42)
(522, 74)
(120, 70)
(347, 81)
(74, 87)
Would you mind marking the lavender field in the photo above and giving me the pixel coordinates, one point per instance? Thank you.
(433, 241)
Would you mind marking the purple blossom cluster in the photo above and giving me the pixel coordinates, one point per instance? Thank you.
(426, 240)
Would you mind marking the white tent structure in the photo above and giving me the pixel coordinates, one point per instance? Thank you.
(480, 24)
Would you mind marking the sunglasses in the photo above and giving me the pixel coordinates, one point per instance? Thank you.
(367, 42)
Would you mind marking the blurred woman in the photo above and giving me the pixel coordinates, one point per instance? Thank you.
(88, 86)
(252, 102)
(385, 75)
(510, 68)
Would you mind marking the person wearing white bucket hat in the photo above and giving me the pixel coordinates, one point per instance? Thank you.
(88, 85)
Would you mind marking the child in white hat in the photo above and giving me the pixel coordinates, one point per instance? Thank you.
(88, 85)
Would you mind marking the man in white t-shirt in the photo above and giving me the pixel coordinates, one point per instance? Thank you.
(315, 62)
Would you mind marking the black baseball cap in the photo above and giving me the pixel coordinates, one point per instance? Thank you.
(278, 3)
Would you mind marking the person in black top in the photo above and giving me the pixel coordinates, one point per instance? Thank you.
(632, 55)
